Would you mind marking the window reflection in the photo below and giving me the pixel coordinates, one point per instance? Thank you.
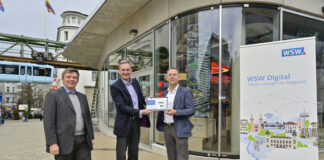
(139, 53)
(295, 26)
(195, 41)
(261, 25)
(113, 76)
(231, 35)
(161, 65)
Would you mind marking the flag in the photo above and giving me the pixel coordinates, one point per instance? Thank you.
(49, 7)
(1, 6)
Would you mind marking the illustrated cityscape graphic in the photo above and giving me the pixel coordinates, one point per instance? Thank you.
(261, 136)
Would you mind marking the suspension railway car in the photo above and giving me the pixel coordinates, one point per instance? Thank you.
(25, 72)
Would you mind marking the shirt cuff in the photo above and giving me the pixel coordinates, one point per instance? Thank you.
(140, 114)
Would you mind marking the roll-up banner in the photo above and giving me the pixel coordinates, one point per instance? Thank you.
(278, 107)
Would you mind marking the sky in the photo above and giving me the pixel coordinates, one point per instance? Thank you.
(30, 17)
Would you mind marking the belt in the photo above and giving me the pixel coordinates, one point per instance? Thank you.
(133, 117)
(169, 124)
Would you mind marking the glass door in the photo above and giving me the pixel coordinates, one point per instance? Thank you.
(145, 79)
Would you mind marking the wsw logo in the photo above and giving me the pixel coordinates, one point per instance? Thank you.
(293, 52)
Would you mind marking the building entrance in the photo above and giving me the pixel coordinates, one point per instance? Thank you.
(145, 79)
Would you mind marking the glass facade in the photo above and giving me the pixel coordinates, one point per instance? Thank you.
(195, 39)
(296, 26)
(192, 43)
(113, 76)
(139, 53)
(260, 25)
(161, 65)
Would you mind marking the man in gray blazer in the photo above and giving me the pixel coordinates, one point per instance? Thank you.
(67, 121)
(174, 122)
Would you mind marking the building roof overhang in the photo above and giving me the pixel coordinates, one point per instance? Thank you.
(88, 44)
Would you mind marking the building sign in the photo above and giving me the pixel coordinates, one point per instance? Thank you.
(278, 101)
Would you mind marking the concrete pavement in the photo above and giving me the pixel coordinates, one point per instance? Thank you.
(23, 141)
(26, 141)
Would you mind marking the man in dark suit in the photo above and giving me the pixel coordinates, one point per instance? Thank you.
(174, 122)
(129, 100)
(67, 121)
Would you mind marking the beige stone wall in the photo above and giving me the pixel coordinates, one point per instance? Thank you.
(89, 93)
(156, 12)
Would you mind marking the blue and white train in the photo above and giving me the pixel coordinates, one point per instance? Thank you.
(25, 72)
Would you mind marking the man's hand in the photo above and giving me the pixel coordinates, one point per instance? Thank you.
(171, 112)
(92, 142)
(145, 112)
(54, 149)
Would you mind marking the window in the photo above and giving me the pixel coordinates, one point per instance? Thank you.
(66, 35)
(8, 89)
(29, 70)
(48, 72)
(22, 70)
(1, 68)
(94, 76)
(113, 75)
(79, 21)
(161, 65)
(261, 25)
(41, 72)
(37, 71)
(113, 60)
(73, 20)
(8, 100)
(139, 53)
(68, 20)
(295, 26)
(195, 41)
(9, 69)
(196, 53)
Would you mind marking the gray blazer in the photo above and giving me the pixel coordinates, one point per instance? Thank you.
(184, 105)
(60, 120)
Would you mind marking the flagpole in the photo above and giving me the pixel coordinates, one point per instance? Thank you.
(45, 20)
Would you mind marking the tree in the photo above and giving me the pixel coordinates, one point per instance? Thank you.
(249, 127)
(38, 99)
(307, 123)
(31, 96)
(26, 95)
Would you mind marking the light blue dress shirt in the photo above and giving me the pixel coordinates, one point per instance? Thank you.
(132, 93)
(68, 91)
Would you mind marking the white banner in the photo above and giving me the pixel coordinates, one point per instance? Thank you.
(278, 101)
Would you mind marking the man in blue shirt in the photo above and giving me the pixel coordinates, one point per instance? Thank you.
(67, 121)
(129, 100)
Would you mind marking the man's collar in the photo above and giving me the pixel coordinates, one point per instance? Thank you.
(126, 82)
(68, 91)
(175, 89)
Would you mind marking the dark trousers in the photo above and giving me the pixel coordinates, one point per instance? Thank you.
(131, 142)
(81, 150)
(177, 148)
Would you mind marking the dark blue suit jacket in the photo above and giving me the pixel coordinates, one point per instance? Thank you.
(184, 105)
(124, 105)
